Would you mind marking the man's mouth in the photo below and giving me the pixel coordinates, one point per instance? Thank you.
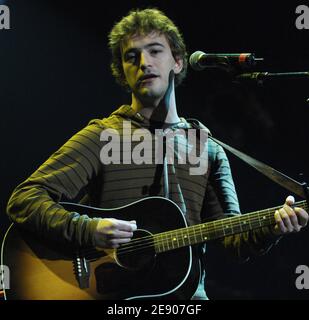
(147, 78)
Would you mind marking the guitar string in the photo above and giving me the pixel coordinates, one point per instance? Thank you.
(151, 241)
(164, 242)
(211, 226)
(154, 240)
(191, 232)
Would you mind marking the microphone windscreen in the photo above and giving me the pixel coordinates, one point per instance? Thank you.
(194, 60)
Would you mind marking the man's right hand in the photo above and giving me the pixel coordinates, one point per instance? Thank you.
(110, 232)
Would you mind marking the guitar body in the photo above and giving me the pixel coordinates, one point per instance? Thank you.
(41, 270)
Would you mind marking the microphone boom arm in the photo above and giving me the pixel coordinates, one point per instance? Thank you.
(260, 77)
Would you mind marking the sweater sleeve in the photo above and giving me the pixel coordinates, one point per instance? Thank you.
(221, 201)
(34, 204)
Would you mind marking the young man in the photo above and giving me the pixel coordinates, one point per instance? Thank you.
(149, 58)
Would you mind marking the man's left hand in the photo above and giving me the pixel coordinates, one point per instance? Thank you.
(290, 219)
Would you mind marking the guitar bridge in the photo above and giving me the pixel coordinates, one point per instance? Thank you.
(81, 267)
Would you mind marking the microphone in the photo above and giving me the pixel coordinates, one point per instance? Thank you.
(200, 60)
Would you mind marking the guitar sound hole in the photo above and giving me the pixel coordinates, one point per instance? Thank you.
(139, 253)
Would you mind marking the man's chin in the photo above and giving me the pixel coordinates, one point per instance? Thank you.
(147, 93)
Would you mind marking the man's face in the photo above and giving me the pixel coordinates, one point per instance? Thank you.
(147, 61)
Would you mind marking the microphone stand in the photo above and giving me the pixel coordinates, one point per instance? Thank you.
(237, 73)
(260, 77)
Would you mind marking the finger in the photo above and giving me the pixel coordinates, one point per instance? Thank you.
(279, 222)
(129, 226)
(118, 234)
(293, 217)
(286, 219)
(290, 200)
(105, 224)
(302, 216)
(115, 234)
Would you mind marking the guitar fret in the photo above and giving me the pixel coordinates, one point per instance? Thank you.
(228, 227)
(157, 244)
(249, 223)
(175, 242)
(162, 240)
(204, 233)
(168, 241)
(194, 234)
(239, 223)
(213, 226)
(181, 238)
(185, 237)
(177, 239)
(245, 224)
(238, 226)
(222, 227)
(172, 240)
(200, 233)
(259, 219)
(266, 219)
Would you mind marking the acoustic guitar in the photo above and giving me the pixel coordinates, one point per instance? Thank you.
(160, 262)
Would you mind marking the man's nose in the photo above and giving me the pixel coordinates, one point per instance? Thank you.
(145, 60)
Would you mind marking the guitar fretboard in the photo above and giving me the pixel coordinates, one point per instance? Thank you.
(236, 224)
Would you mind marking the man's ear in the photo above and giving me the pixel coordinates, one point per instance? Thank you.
(178, 65)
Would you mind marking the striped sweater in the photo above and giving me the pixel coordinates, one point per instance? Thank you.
(76, 171)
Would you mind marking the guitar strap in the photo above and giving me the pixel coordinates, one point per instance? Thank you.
(300, 189)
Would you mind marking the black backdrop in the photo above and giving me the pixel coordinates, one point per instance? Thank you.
(54, 66)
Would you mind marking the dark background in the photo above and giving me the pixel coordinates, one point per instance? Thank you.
(55, 77)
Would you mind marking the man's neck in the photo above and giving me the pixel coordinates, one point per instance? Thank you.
(157, 111)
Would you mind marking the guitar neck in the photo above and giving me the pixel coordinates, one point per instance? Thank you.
(216, 229)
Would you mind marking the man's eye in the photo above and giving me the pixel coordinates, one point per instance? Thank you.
(155, 51)
(131, 57)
